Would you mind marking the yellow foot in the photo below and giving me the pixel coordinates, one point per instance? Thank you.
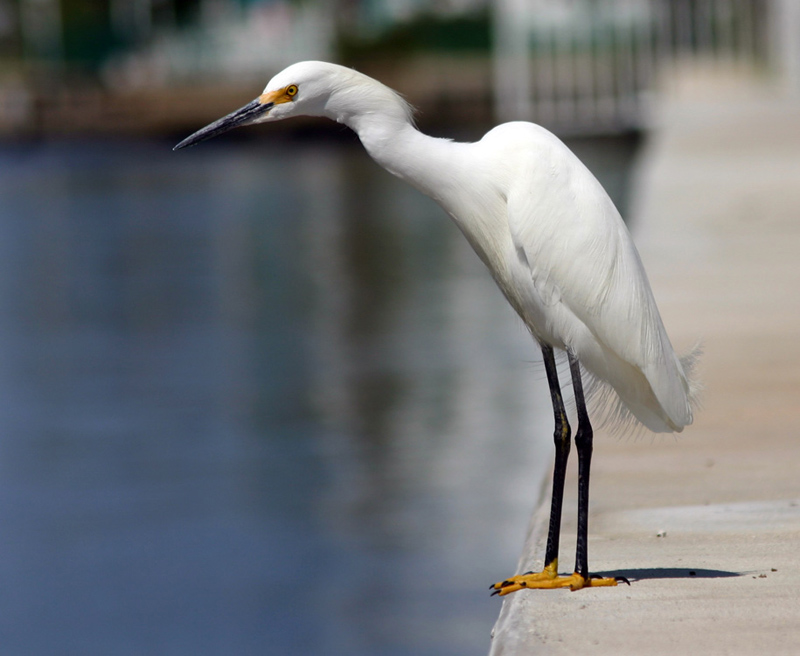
(548, 579)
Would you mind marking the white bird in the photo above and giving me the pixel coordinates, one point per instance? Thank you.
(555, 245)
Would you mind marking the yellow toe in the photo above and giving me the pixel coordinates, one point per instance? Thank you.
(549, 579)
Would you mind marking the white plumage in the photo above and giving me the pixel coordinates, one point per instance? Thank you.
(548, 233)
(540, 221)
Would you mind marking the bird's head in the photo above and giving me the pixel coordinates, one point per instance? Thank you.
(309, 88)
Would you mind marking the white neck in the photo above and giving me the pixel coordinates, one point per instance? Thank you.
(439, 168)
(392, 141)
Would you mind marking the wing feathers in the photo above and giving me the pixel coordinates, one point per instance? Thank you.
(586, 271)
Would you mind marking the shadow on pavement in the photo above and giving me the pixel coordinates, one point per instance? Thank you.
(670, 573)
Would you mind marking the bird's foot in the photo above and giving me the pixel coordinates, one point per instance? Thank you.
(548, 579)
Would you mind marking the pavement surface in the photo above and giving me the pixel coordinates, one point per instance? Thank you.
(706, 524)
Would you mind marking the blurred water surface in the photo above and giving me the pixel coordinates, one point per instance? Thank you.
(254, 399)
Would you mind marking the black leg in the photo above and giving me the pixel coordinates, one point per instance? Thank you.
(561, 436)
(583, 444)
(549, 578)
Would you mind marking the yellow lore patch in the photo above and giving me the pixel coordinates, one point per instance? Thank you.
(278, 96)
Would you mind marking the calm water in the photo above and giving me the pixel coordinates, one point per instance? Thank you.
(254, 400)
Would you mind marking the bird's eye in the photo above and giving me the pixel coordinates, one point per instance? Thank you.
(291, 90)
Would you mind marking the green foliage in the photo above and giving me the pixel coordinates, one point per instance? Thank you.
(426, 33)
(88, 38)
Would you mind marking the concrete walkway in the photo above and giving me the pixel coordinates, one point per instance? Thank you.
(706, 525)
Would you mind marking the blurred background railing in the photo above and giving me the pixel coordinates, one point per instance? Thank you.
(594, 65)
(586, 66)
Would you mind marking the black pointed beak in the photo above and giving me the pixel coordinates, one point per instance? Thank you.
(241, 116)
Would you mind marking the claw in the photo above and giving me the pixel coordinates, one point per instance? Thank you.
(549, 578)
(618, 579)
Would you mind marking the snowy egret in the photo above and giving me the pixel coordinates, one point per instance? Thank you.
(555, 245)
